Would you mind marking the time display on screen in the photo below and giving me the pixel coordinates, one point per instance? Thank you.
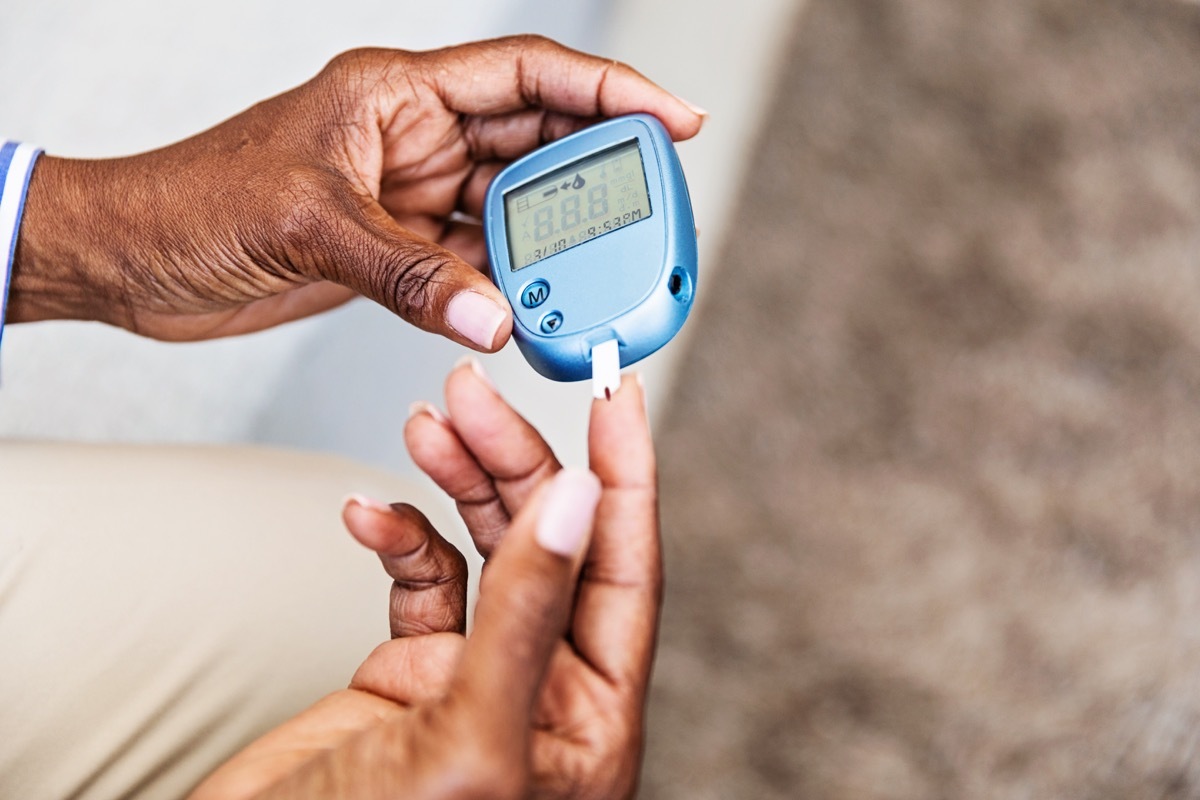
(595, 195)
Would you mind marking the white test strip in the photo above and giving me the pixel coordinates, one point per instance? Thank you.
(606, 369)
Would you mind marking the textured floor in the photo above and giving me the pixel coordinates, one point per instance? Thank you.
(932, 474)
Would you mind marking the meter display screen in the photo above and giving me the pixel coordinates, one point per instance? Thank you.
(587, 198)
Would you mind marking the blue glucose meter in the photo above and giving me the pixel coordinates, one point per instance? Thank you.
(592, 240)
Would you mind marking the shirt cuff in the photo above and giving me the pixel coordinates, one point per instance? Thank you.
(16, 168)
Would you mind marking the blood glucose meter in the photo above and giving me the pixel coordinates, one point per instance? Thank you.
(592, 240)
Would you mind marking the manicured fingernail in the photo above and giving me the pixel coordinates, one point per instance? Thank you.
(421, 407)
(475, 317)
(367, 502)
(477, 368)
(636, 377)
(695, 109)
(640, 380)
(568, 512)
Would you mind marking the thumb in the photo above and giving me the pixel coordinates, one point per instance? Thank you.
(525, 601)
(419, 280)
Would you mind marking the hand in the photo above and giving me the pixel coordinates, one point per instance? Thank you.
(406, 724)
(364, 180)
(588, 721)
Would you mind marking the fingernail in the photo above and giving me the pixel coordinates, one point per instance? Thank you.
(568, 512)
(421, 407)
(367, 503)
(477, 368)
(475, 317)
(695, 109)
(636, 377)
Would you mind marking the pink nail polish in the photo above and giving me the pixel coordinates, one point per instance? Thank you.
(367, 502)
(565, 524)
(421, 407)
(476, 317)
(477, 368)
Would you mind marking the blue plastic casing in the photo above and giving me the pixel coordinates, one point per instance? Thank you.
(635, 284)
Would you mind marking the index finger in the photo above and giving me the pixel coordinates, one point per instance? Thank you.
(486, 456)
(518, 72)
(616, 614)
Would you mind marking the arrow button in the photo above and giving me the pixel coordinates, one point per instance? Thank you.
(552, 322)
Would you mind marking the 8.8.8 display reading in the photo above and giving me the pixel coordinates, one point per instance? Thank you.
(585, 199)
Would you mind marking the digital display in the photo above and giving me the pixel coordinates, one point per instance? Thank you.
(587, 198)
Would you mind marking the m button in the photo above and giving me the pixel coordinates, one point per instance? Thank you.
(535, 294)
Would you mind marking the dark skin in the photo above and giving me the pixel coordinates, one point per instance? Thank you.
(348, 184)
(546, 698)
(369, 180)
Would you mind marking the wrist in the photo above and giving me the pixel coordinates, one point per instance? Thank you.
(64, 266)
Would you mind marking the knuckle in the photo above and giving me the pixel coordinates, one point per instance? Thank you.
(404, 622)
(354, 61)
(362, 69)
(414, 279)
(302, 187)
(306, 209)
(456, 565)
(345, 69)
(532, 41)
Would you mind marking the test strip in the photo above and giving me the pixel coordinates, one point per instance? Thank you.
(606, 369)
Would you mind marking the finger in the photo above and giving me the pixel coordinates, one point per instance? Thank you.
(505, 445)
(524, 602)
(417, 279)
(436, 449)
(465, 240)
(429, 593)
(616, 617)
(473, 196)
(489, 459)
(506, 75)
(505, 137)
(411, 671)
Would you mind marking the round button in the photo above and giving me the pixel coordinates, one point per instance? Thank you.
(535, 294)
(552, 322)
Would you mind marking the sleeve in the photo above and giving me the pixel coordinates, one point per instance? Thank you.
(16, 167)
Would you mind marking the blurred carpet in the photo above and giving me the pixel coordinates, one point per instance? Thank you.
(932, 472)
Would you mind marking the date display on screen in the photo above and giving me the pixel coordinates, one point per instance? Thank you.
(595, 195)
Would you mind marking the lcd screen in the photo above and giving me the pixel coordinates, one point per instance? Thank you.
(595, 195)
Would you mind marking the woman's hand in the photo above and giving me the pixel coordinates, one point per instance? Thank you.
(369, 179)
(546, 698)
(588, 720)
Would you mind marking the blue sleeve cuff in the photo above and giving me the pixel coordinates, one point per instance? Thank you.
(16, 168)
